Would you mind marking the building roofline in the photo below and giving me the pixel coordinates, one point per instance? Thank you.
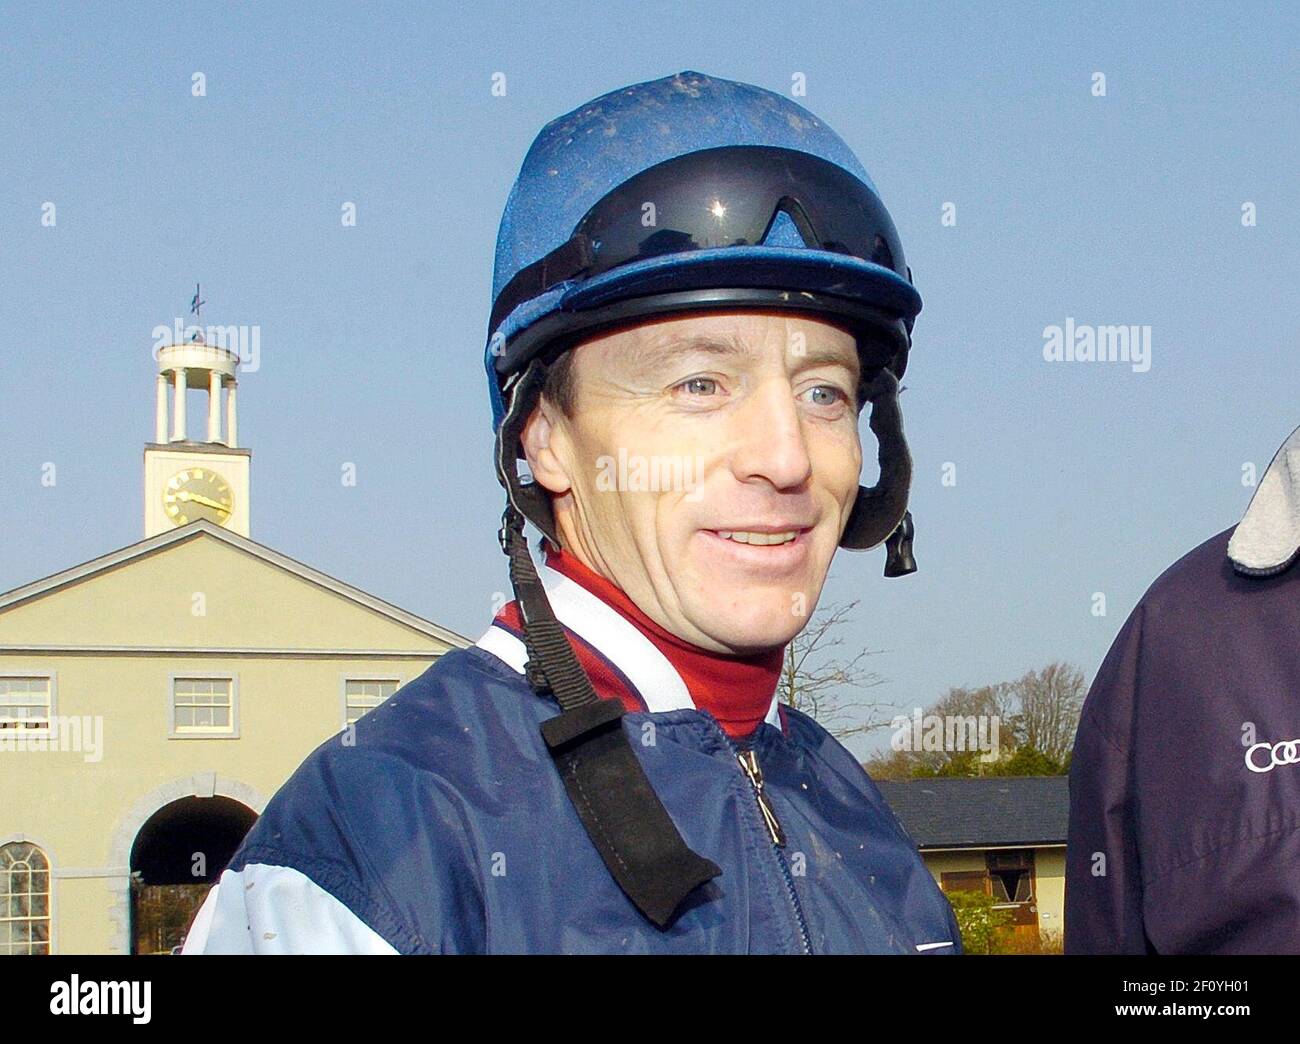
(199, 527)
(960, 813)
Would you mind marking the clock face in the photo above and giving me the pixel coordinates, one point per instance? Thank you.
(198, 493)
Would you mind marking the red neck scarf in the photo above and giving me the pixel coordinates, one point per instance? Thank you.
(737, 690)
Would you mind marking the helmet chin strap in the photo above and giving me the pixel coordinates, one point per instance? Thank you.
(530, 500)
(880, 511)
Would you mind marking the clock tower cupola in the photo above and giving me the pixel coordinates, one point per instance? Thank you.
(185, 478)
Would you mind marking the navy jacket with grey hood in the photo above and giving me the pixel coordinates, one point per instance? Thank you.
(445, 828)
(1185, 781)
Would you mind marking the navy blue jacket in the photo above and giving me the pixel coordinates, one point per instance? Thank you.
(445, 829)
(1185, 781)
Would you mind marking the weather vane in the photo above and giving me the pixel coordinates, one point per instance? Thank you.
(195, 304)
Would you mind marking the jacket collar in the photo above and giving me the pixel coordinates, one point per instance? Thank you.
(1267, 539)
(651, 673)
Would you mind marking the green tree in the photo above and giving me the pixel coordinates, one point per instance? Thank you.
(977, 919)
(1026, 761)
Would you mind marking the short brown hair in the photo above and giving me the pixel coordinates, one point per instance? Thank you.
(559, 386)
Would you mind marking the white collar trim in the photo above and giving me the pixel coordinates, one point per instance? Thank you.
(1267, 539)
(601, 626)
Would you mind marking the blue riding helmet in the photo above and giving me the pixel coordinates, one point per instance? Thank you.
(693, 193)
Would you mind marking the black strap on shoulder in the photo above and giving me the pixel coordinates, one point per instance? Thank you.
(623, 816)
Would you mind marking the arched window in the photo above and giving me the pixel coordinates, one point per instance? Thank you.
(24, 899)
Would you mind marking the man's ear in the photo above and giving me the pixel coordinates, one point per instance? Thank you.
(544, 442)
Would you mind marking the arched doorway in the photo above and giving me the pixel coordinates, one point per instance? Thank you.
(177, 855)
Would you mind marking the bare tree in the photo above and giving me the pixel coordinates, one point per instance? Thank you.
(818, 686)
(1037, 713)
(1049, 702)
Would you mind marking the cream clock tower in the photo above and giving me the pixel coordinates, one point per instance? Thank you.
(186, 479)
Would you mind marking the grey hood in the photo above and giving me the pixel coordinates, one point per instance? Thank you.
(1267, 539)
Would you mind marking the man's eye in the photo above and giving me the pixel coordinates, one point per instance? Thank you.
(837, 394)
(693, 382)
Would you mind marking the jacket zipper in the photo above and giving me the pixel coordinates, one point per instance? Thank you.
(749, 762)
(748, 759)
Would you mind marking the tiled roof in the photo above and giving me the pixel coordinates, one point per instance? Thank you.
(972, 813)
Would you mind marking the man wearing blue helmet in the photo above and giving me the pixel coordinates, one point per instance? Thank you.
(697, 292)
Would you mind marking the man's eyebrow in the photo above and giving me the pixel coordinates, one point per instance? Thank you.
(681, 344)
(826, 355)
(729, 345)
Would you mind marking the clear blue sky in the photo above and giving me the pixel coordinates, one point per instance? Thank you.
(1071, 478)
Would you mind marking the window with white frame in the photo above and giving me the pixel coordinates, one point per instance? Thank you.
(203, 706)
(25, 706)
(364, 694)
(24, 899)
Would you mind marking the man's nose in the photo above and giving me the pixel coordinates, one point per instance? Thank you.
(769, 440)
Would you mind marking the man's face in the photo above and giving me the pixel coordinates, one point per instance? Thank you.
(687, 428)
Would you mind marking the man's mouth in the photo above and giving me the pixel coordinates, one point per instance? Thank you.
(764, 551)
(756, 537)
